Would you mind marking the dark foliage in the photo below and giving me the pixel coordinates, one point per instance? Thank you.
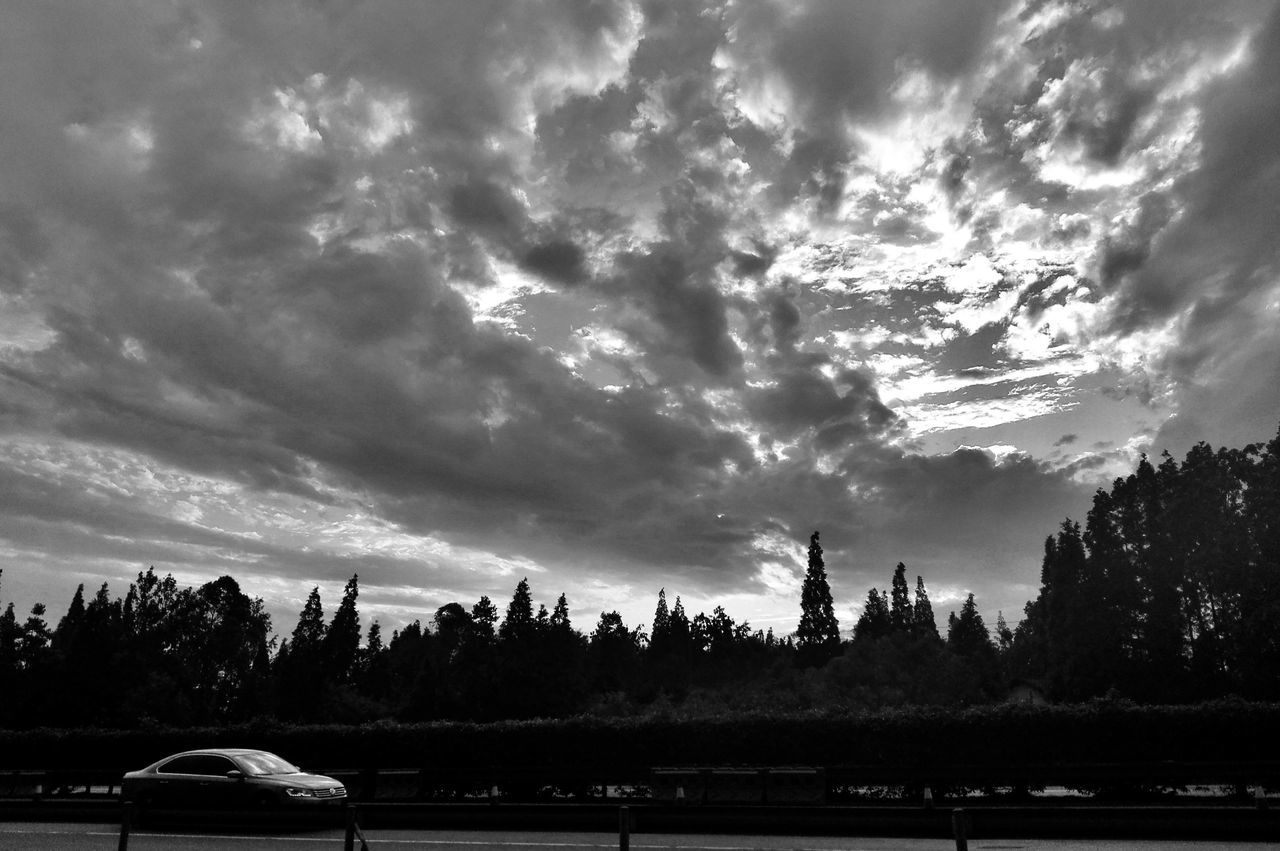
(1169, 593)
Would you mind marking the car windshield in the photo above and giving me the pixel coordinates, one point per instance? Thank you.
(266, 763)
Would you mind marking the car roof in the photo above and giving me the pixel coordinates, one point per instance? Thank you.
(219, 752)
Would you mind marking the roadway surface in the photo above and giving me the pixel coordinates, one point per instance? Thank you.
(81, 837)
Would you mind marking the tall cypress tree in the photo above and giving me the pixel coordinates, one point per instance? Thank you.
(901, 613)
(660, 640)
(922, 622)
(341, 644)
(819, 633)
(309, 632)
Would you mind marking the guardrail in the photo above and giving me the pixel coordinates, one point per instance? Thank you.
(1220, 823)
(716, 785)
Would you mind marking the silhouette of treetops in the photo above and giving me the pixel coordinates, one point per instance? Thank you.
(1169, 592)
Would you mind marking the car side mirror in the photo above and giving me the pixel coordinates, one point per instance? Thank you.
(235, 774)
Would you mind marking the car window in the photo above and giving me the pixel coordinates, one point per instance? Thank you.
(207, 764)
(266, 763)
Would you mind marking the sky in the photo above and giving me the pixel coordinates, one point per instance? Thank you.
(618, 296)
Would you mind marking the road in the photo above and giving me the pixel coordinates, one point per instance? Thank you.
(81, 837)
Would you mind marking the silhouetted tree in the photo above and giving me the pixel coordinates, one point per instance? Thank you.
(922, 620)
(299, 672)
(660, 639)
(818, 636)
(874, 621)
(901, 612)
(967, 635)
(341, 643)
(519, 620)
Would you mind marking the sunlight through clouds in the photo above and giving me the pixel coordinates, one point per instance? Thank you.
(619, 295)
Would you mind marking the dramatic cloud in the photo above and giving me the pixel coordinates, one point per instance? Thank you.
(618, 295)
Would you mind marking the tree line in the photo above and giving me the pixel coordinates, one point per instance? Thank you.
(169, 655)
(1169, 593)
(1171, 590)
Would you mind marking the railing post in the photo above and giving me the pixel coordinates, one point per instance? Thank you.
(960, 829)
(126, 823)
(349, 837)
(624, 828)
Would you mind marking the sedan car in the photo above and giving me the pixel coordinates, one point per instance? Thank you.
(228, 777)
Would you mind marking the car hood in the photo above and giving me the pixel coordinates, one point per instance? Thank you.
(297, 781)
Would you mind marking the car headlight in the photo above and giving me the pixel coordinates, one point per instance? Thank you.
(299, 793)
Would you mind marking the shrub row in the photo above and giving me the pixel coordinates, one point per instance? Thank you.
(1005, 735)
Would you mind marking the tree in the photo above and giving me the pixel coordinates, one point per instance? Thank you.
(341, 643)
(300, 672)
(681, 630)
(1004, 635)
(560, 622)
(967, 635)
(71, 622)
(874, 621)
(484, 618)
(660, 640)
(922, 621)
(818, 636)
(309, 632)
(901, 612)
(613, 651)
(519, 620)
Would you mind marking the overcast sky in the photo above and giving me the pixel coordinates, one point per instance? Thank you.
(618, 296)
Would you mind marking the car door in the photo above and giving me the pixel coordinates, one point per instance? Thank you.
(215, 788)
(196, 780)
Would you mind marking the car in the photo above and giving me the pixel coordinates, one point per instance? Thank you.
(228, 778)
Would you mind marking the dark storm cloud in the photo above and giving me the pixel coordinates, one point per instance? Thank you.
(559, 260)
(838, 411)
(690, 314)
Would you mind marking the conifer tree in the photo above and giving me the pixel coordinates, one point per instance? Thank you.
(901, 613)
(681, 632)
(1004, 635)
(341, 643)
(71, 622)
(819, 632)
(967, 635)
(922, 622)
(560, 616)
(519, 621)
(309, 632)
(874, 621)
(660, 641)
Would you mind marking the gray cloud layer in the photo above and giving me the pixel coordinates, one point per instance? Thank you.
(514, 277)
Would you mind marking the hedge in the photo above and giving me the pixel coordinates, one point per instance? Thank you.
(1100, 732)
